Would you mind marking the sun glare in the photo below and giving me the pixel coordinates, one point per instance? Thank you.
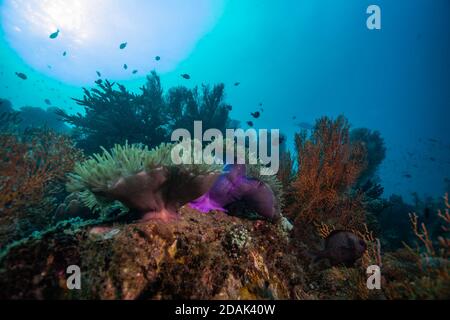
(90, 32)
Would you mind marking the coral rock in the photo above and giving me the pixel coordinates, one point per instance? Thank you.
(197, 256)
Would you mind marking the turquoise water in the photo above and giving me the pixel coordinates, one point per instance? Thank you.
(299, 58)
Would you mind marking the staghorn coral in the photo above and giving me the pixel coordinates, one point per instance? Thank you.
(31, 171)
(328, 166)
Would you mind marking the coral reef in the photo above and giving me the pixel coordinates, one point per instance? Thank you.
(328, 166)
(424, 272)
(35, 118)
(134, 221)
(375, 150)
(29, 118)
(147, 183)
(32, 171)
(114, 116)
(214, 256)
(9, 119)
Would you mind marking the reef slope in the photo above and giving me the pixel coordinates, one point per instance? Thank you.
(197, 256)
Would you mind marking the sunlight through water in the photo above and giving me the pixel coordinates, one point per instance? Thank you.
(91, 31)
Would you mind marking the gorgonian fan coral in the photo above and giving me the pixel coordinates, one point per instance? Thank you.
(328, 166)
(31, 171)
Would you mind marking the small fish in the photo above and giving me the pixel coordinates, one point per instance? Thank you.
(294, 117)
(135, 71)
(21, 75)
(125, 66)
(407, 176)
(186, 76)
(64, 53)
(99, 81)
(123, 45)
(256, 114)
(157, 58)
(237, 84)
(98, 73)
(260, 104)
(250, 123)
(341, 247)
(47, 101)
(54, 35)
(432, 159)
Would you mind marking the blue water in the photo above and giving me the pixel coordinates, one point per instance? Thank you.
(299, 58)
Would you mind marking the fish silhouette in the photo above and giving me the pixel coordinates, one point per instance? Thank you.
(54, 35)
(21, 75)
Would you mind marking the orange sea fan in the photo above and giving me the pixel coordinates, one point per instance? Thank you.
(328, 165)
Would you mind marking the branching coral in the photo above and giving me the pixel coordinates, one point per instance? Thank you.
(423, 235)
(424, 272)
(115, 115)
(328, 165)
(30, 171)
